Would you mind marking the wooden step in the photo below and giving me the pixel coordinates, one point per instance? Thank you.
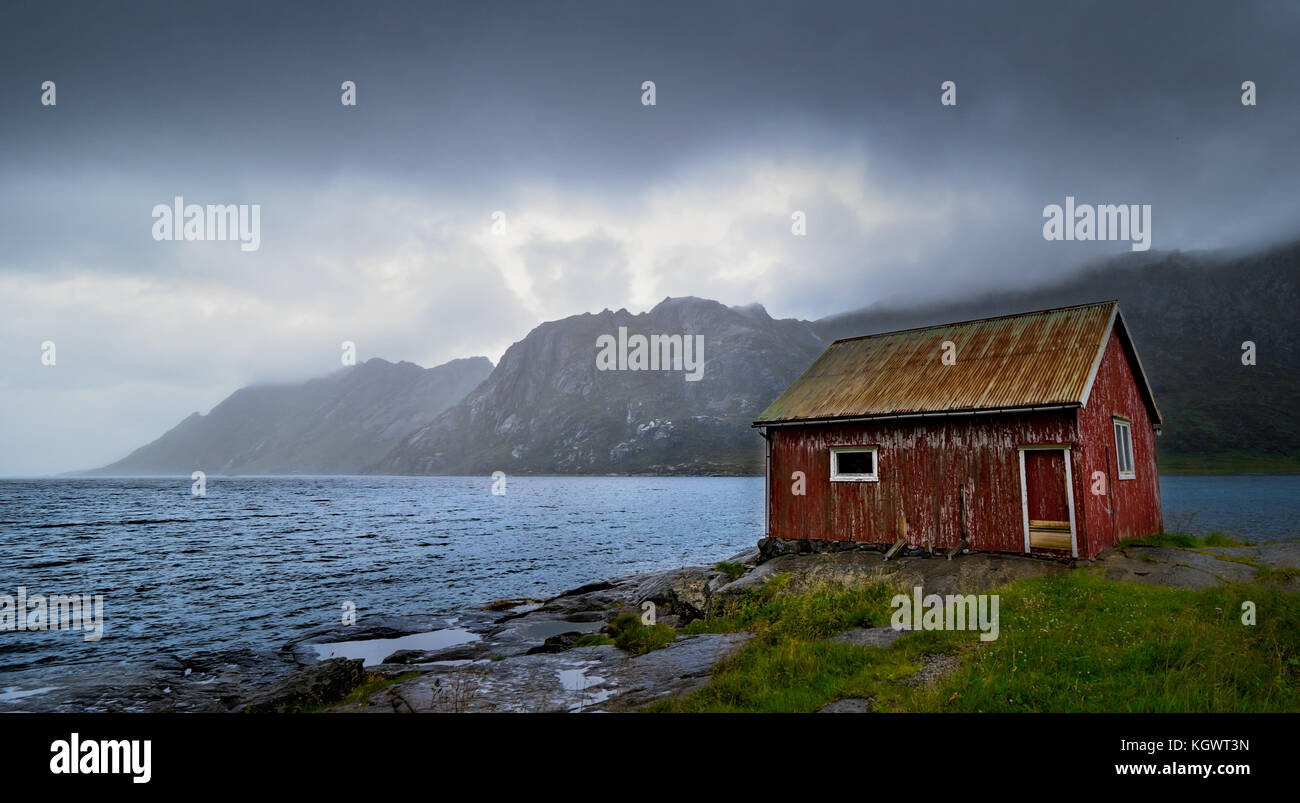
(1050, 539)
(1042, 524)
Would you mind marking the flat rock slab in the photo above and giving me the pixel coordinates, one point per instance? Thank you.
(1177, 568)
(1277, 556)
(976, 572)
(965, 574)
(869, 636)
(933, 668)
(211, 682)
(584, 679)
(849, 705)
(679, 668)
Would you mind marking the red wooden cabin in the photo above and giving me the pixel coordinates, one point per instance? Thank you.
(1023, 433)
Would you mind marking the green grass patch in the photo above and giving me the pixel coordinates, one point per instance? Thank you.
(1072, 642)
(769, 611)
(1185, 541)
(1078, 642)
(1271, 574)
(593, 640)
(789, 666)
(1231, 558)
(731, 570)
(1230, 463)
(359, 696)
(635, 638)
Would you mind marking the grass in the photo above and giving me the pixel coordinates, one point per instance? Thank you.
(1072, 642)
(1230, 463)
(1077, 642)
(593, 640)
(770, 612)
(1186, 541)
(635, 638)
(731, 570)
(789, 666)
(1270, 574)
(1201, 545)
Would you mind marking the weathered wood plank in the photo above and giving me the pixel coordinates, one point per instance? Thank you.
(902, 538)
(1049, 539)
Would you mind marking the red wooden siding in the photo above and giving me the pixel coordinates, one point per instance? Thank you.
(1045, 485)
(1135, 503)
(923, 464)
(973, 446)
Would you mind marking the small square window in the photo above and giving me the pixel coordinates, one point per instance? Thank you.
(854, 464)
(1124, 450)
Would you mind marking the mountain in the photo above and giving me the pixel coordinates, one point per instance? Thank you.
(336, 424)
(1189, 315)
(547, 408)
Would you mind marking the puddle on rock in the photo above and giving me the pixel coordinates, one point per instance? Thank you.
(577, 680)
(543, 630)
(374, 651)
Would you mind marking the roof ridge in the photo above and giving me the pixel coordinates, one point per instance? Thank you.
(976, 320)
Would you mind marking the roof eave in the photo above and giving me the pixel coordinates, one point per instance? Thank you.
(851, 419)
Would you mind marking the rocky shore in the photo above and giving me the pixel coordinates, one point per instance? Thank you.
(524, 655)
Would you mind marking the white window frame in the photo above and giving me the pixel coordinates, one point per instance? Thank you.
(836, 476)
(1125, 426)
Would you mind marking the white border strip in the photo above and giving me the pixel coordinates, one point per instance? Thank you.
(1069, 498)
(1024, 499)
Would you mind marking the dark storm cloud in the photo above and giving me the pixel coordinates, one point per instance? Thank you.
(375, 218)
(457, 90)
(1118, 101)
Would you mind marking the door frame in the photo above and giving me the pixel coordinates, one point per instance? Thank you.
(1069, 491)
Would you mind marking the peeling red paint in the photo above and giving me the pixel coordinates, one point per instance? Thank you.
(1135, 502)
(925, 463)
(923, 466)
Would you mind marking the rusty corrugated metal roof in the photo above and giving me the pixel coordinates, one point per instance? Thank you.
(1032, 359)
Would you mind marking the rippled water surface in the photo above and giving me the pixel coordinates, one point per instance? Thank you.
(1250, 508)
(257, 561)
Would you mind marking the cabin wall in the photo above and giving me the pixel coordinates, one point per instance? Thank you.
(1128, 508)
(923, 464)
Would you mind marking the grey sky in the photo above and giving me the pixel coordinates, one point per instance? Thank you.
(375, 219)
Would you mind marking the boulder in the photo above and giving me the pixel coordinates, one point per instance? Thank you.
(683, 593)
(748, 557)
(557, 643)
(769, 548)
(322, 683)
(405, 657)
